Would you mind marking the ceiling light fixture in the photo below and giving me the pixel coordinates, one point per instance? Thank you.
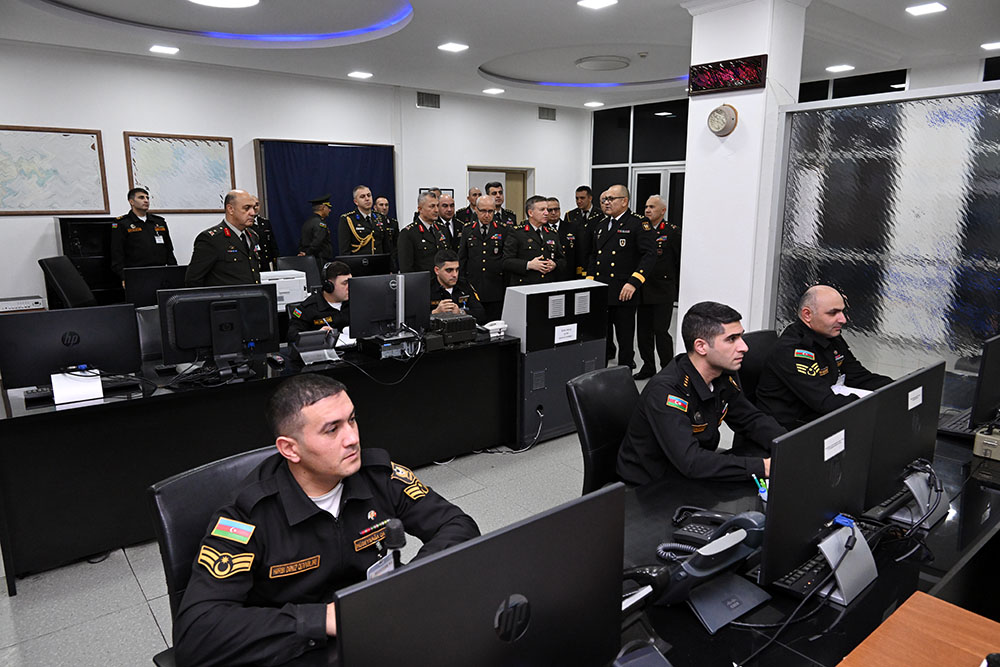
(929, 8)
(493, 91)
(168, 50)
(596, 4)
(663, 114)
(226, 4)
(992, 46)
(453, 47)
(839, 68)
(593, 104)
(360, 75)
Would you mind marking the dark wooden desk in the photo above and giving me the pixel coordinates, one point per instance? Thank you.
(648, 514)
(73, 481)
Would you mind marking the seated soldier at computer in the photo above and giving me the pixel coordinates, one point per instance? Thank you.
(675, 426)
(328, 308)
(451, 295)
(810, 358)
(305, 523)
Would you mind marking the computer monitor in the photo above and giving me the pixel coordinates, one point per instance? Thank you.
(905, 429)
(218, 324)
(818, 471)
(142, 282)
(986, 401)
(33, 346)
(417, 309)
(542, 591)
(366, 265)
(375, 304)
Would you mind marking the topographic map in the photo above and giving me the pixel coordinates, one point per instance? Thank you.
(182, 174)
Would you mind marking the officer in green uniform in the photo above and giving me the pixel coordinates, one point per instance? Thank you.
(315, 239)
(140, 238)
(532, 253)
(468, 214)
(480, 258)
(420, 240)
(504, 216)
(569, 238)
(362, 231)
(228, 253)
(328, 308)
(391, 226)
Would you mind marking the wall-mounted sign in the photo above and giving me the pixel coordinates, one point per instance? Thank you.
(737, 74)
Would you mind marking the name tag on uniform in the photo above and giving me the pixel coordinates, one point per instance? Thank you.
(383, 565)
(159, 239)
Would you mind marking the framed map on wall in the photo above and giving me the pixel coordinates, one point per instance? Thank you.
(183, 173)
(51, 171)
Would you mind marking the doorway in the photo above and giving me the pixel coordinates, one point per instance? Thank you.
(516, 183)
(666, 181)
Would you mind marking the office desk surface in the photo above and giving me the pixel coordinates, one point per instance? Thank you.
(648, 513)
(927, 632)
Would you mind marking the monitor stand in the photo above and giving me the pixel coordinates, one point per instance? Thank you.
(924, 497)
(855, 572)
(227, 340)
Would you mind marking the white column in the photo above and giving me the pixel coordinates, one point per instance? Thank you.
(730, 236)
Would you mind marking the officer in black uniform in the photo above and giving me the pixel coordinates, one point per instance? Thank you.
(268, 244)
(228, 253)
(450, 226)
(306, 522)
(328, 308)
(420, 241)
(586, 213)
(362, 231)
(657, 296)
(532, 253)
(480, 258)
(468, 214)
(449, 294)
(809, 358)
(315, 239)
(675, 427)
(623, 254)
(140, 238)
(391, 229)
(504, 216)
(568, 238)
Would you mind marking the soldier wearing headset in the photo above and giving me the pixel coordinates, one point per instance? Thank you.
(327, 309)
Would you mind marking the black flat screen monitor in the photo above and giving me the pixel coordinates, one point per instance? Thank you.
(987, 398)
(565, 564)
(142, 282)
(905, 429)
(417, 289)
(374, 303)
(33, 346)
(201, 322)
(366, 265)
(818, 471)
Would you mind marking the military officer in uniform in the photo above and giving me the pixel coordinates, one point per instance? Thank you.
(268, 245)
(420, 240)
(504, 216)
(449, 294)
(391, 229)
(586, 213)
(532, 253)
(622, 256)
(656, 306)
(140, 238)
(810, 357)
(675, 427)
(308, 521)
(450, 226)
(568, 238)
(328, 308)
(362, 231)
(315, 240)
(480, 258)
(468, 213)
(228, 253)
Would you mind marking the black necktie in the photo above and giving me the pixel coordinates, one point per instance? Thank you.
(246, 241)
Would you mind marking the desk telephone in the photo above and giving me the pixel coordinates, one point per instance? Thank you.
(696, 526)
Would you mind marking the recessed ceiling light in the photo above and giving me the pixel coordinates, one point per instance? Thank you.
(493, 91)
(169, 50)
(360, 75)
(663, 114)
(929, 8)
(453, 47)
(596, 4)
(226, 4)
(593, 104)
(839, 68)
(992, 46)
(897, 86)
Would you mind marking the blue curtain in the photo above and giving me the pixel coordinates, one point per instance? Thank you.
(296, 172)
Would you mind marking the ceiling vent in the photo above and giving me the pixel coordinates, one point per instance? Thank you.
(546, 113)
(428, 100)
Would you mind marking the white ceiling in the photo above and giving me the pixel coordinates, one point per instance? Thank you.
(528, 40)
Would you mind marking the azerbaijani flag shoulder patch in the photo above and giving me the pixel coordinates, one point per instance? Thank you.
(805, 354)
(677, 402)
(296, 312)
(230, 529)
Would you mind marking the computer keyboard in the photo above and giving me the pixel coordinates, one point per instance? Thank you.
(956, 424)
(42, 395)
(888, 507)
(811, 573)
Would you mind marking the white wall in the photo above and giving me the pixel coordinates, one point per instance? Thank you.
(55, 87)
(931, 76)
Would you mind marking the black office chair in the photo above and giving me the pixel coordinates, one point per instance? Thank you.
(760, 344)
(64, 282)
(307, 264)
(182, 506)
(601, 402)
